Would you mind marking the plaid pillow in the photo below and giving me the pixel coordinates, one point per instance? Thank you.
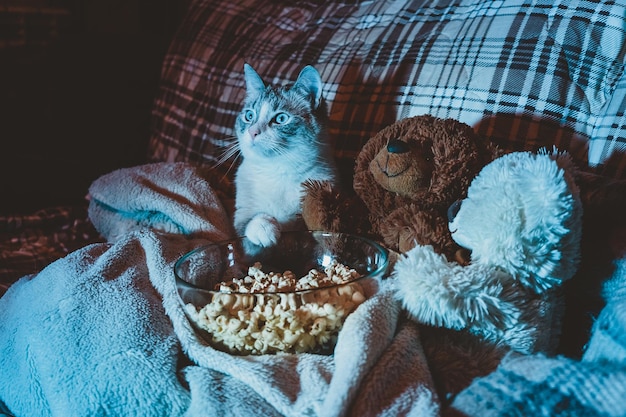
(525, 74)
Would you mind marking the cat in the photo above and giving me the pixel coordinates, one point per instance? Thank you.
(283, 139)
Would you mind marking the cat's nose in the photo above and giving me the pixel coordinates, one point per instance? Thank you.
(397, 146)
(254, 132)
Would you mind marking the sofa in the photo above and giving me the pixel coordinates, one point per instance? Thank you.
(526, 75)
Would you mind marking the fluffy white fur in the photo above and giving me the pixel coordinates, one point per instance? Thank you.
(522, 222)
(523, 214)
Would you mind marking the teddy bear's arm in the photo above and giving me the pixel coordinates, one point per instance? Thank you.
(326, 207)
(410, 225)
(445, 294)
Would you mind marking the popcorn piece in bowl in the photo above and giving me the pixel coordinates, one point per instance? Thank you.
(261, 314)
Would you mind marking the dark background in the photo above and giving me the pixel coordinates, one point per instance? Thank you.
(77, 80)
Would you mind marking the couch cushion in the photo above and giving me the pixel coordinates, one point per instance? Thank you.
(526, 74)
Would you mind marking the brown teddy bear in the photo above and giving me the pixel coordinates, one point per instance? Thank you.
(405, 179)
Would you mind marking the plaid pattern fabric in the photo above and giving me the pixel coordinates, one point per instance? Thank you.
(30, 242)
(524, 73)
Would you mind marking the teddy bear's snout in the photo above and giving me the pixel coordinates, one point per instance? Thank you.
(397, 146)
(453, 210)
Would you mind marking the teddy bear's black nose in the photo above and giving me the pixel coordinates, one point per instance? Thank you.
(453, 210)
(397, 146)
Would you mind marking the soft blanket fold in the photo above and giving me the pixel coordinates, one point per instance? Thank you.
(173, 197)
(86, 336)
(89, 336)
(102, 331)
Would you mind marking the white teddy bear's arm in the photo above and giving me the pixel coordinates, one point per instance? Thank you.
(441, 293)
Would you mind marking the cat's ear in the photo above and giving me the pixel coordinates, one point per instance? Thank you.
(310, 82)
(254, 84)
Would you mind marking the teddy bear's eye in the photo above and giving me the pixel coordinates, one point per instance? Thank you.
(397, 146)
(453, 210)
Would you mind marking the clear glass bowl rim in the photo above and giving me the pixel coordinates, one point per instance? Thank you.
(382, 267)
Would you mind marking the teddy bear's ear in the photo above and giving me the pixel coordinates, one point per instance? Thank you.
(459, 155)
(523, 213)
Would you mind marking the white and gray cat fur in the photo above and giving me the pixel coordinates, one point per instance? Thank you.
(282, 136)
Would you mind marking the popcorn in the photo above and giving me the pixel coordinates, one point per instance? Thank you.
(279, 320)
(258, 281)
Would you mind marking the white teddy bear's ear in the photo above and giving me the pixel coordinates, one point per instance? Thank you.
(523, 214)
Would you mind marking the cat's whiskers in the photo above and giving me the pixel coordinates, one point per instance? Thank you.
(231, 152)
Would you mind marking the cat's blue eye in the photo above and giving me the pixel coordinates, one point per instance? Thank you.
(248, 115)
(281, 118)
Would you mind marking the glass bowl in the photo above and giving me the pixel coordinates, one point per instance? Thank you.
(268, 313)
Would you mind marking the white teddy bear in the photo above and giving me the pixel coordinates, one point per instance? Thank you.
(521, 221)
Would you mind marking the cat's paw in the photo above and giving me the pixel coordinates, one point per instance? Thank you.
(263, 230)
